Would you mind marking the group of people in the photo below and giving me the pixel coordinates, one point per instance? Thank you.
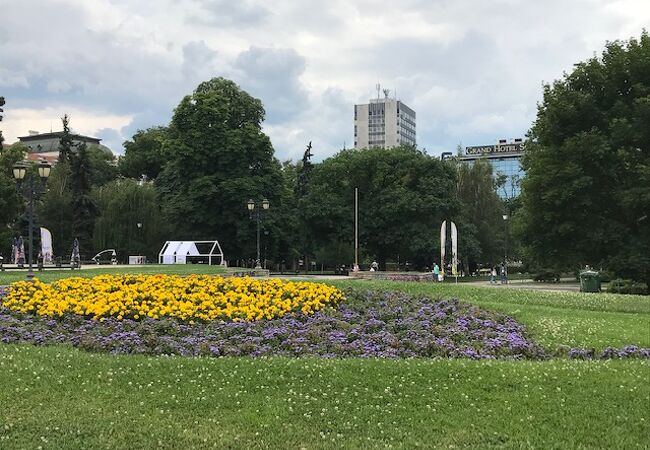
(500, 270)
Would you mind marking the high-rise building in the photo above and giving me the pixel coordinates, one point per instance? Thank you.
(383, 122)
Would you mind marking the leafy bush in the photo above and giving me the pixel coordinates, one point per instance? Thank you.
(547, 275)
(606, 276)
(620, 286)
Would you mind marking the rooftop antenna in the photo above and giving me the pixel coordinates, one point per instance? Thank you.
(378, 86)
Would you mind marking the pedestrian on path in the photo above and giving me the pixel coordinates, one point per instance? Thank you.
(436, 272)
(493, 275)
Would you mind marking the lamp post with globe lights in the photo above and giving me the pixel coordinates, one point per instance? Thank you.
(255, 212)
(29, 187)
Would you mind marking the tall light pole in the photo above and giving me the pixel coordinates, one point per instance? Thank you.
(505, 246)
(29, 189)
(255, 211)
(356, 230)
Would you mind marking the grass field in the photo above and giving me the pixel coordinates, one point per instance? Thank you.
(553, 318)
(58, 397)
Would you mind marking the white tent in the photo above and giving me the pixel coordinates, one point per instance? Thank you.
(183, 252)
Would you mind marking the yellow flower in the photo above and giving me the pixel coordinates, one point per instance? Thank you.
(193, 297)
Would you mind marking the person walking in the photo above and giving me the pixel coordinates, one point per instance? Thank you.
(504, 274)
(493, 275)
(436, 272)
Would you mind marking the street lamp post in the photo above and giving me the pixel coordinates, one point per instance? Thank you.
(505, 246)
(32, 189)
(255, 211)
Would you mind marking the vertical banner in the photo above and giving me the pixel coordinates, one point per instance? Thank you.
(443, 245)
(454, 249)
(46, 245)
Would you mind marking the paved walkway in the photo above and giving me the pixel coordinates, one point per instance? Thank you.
(567, 286)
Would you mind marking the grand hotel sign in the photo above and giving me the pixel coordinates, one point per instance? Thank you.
(499, 148)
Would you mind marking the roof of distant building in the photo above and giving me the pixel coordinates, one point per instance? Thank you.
(57, 134)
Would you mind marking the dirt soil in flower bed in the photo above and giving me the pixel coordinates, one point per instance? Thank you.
(368, 324)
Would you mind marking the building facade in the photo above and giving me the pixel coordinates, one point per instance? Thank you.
(505, 159)
(45, 146)
(383, 122)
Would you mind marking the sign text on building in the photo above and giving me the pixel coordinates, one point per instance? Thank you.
(501, 148)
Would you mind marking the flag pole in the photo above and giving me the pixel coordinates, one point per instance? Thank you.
(356, 229)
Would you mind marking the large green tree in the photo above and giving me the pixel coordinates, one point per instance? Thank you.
(84, 209)
(68, 209)
(481, 225)
(586, 195)
(404, 195)
(218, 158)
(143, 154)
(129, 219)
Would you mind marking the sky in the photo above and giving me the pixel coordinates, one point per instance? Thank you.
(473, 70)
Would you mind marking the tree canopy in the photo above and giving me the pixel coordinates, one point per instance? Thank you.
(143, 154)
(586, 194)
(481, 226)
(217, 157)
(404, 195)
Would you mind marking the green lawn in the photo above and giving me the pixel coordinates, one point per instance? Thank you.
(61, 398)
(553, 319)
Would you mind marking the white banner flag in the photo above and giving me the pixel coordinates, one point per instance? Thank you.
(46, 246)
(443, 244)
(454, 249)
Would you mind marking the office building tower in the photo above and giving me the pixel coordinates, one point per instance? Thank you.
(383, 122)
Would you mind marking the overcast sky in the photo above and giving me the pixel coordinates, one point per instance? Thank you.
(471, 69)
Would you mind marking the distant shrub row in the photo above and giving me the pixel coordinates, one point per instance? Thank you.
(620, 286)
(547, 275)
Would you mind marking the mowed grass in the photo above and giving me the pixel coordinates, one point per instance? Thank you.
(48, 275)
(553, 319)
(60, 398)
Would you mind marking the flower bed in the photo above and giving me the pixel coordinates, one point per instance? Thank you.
(418, 277)
(369, 324)
(199, 297)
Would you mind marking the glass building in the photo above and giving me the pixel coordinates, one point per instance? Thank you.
(506, 164)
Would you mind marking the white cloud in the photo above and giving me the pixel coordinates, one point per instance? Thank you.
(471, 70)
(18, 122)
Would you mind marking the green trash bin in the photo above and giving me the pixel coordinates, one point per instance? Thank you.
(589, 281)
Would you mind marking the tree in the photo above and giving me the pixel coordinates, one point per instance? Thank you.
(481, 223)
(83, 205)
(67, 209)
(65, 142)
(2, 103)
(143, 154)
(586, 194)
(56, 211)
(102, 165)
(218, 158)
(11, 203)
(122, 205)
(404, 195)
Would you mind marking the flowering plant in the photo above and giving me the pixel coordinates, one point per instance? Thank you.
(199, 297)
